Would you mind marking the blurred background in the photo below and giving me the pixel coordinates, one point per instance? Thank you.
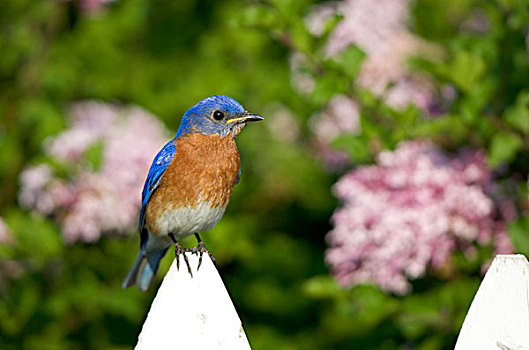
(391, 167)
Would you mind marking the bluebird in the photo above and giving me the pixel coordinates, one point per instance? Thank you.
(189, 184)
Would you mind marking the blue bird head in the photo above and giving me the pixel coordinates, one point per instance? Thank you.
(217, 114)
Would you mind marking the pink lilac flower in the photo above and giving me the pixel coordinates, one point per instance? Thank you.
(283, 124)
(90, 122)
(379, 28)
(33, 193)
(5, 234)
(341, 116)
(91, 201)
(300, 79)
(409, 211)
(316, 21)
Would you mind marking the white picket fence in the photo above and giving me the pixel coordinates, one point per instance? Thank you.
(197, 312)
(192, 312)
(499, 315)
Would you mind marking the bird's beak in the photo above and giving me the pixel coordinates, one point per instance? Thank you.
(245, 117)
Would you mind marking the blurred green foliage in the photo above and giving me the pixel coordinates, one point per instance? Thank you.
(165, 55)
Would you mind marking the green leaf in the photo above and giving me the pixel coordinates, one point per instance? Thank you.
(257, 16)
(466, 70)
(356, 146)
(517, 115)
(34, 232)
(449, 127)
(94, 155)
(329, 26)
(328, 86)
(475, 100)
(503, 148)
(301, 37)
(322, 286)
(519, 234)
(350, 60)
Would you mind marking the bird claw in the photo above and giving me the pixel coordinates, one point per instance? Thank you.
(179, 250)
(199, 250)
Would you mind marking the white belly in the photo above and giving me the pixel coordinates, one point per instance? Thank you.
(187, 221)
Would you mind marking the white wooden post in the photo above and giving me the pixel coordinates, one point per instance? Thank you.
(192, 312)
(499, 315)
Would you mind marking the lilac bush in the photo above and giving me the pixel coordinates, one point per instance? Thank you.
(409, 211)
(379, 29)
(94, 199)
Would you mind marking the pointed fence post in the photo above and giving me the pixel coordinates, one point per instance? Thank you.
(192, 312)
(499, 315)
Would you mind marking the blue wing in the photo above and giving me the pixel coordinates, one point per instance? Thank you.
(158, 167)
(238, 177)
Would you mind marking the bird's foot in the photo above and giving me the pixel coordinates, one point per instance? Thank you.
(179, 250)
(200, 249)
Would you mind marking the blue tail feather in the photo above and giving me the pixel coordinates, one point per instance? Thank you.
(144, 269)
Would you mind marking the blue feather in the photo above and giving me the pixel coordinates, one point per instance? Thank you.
(158, 168)
(144, 269)
(197, 119)
(238, 177)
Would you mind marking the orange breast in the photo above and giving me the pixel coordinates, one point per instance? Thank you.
(205, 168)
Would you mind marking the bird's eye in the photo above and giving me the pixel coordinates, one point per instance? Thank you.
(218, 115)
